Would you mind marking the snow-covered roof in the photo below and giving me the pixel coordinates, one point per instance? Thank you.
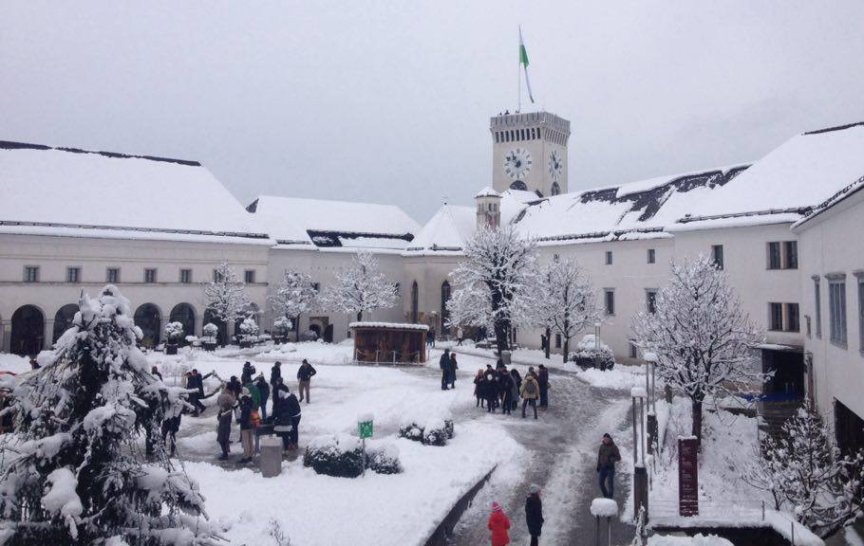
(832, 201)
(446, 231)
(487, 192)
(72, 192)
(389, 326)
(333, 224)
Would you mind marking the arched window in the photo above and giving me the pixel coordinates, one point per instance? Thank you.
(184, 313)
(211, 318)
(556, 189)
(415, 303)
(149, 319)
(28, 330)
(445, 297)
(519, 185)
(63, 319)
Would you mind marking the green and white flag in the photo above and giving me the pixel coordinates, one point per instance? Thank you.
(523, 60)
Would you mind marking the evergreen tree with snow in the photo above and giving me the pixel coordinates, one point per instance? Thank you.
(561, 301)
(73, 472)
(359, 289)
(226, 295)
(702, 339)
(498, 265)
(295, 295)
(807, 475)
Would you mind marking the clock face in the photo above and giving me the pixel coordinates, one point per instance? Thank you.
(556, 165)
(517, 163)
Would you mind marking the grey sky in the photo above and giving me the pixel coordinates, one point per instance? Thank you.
(390, 101)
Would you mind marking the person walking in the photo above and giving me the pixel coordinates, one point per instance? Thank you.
(607, 456)
(225, 403)
(534, 513)
(246, 408)
(247, 373)
(444, 364)
(275, 373)
(543, 383)
(499, 524)
(430, 338)
(460, 335)
(490, 389)
(530, 392)
(263, 394)
(453, 367)
(515, 385)
(286, 416)
(506, 384)
(304, 378)
(195, 386)
(478, 394)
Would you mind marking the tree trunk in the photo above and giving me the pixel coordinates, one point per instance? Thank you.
(501, 335)
(697, 422)
(566, 349)
(360, 316)
(548, 342)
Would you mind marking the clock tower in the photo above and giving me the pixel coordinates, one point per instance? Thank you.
(529, 152)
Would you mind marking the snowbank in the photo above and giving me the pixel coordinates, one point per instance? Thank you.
(698, 540)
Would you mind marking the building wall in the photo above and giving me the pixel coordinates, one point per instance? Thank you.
(53, 255)
(827, 247)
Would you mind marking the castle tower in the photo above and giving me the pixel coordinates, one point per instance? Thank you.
(529, 152)
(488, 208)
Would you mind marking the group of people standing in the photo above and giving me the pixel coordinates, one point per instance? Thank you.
(500, 387)
(245, 400)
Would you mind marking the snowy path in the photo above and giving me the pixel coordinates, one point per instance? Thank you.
(563, 445)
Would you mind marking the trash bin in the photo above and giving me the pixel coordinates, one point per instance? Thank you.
(505, 357)
(270, 460)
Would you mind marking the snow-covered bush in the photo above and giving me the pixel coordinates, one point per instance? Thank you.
(411, 431)
(211, 331)
(248, 330)
(338, 455)
(807, 475)
(174, 331)
(73, 472)
(282, 325)
(384, 459)
(592, 353)
(449, 430)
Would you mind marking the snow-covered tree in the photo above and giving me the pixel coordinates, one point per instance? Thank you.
(470, 306)
(498, 265)
(226, 295)
(560, 300)
(702, 339)
(808, 477)
(282, 325)
(210, 330)
(249, 329)
(295, 295)
(73, 472)
(360, 288)
(174, 331)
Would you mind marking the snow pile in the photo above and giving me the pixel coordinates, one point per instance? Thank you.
(697, 540)
(604, 508)
(63, 499)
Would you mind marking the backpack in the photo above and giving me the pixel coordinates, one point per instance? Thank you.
(530, 388)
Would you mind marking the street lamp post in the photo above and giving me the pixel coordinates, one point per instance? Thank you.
(640, 473)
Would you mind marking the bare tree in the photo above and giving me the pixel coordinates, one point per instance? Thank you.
(702, 339)
(561, 301)
(498, 265)
(360, 288)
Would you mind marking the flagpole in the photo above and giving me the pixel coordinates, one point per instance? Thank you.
(519, 75)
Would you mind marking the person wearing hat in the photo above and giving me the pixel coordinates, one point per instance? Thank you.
(499, 524)
(606, 459)
(225, 403)
(534, 513)
(444, 364)
(263, 394)
(543, 383)
(304, 379)
(286, 416)
(246, 407)
(275, 373)
(530, 392)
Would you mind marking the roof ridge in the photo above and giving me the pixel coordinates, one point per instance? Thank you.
(12, 145)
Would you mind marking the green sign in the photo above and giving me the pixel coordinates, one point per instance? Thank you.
(365, 428)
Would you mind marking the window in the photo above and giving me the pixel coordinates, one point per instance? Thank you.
(31, 273)
(793, 319)
(783, 255)
(316, 286)
(217, 276)
(652, 256)
(634, 351)
(817, 304)
(837, 308)
(557, 341)
(775, 317)
(445, 297)
(398, 289)
(415, 303)
(807, 322)
(774, 256)
(609, 301)
(150, 275)
(651, 301)
(608, 257)
(186, 276)
(860, 276)
(73, 274)
(790, 254)
(717, 255)
(112, 275)
(249, 276)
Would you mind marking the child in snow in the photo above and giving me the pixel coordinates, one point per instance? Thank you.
(499, 524)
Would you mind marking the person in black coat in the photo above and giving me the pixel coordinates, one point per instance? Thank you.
(235, 387)
(286, 416)
(506, 384)
(444, 364)
(534, 513)
(195, 384)
(275, 374)
(264, 394)
(247, 373)
(490, 390)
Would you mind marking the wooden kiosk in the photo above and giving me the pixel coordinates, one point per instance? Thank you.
(389, 343)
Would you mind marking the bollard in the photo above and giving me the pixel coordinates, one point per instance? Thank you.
(270, 460)
(653, 433)
(640, 489)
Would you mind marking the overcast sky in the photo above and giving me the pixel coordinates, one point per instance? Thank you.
(390, 101)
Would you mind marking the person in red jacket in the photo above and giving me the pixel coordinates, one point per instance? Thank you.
(499, 524)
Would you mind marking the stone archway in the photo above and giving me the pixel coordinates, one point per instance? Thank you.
(63, 320)
(211, 318)
(28, 330)
(149, 319)
(184, 313)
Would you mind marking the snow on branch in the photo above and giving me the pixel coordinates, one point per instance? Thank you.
(360, 288)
